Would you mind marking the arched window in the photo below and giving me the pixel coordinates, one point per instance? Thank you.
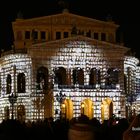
(78, 76)
(21, 83)
(42, 78)
(125, 83)
(115, 76)
(8, 84)
(60, 76)
(95, 77)
(112, 77)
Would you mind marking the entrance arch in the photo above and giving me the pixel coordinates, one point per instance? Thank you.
(106, 109)
(6, 112)
(67, 109)
(87, 108)
(21, 113)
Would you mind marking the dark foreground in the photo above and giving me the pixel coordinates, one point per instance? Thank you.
(48, 129)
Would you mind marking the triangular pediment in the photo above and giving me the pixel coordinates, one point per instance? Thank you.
(80, 39)
(63, 18)
(48, 49)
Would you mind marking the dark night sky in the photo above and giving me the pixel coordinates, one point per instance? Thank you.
(126, 14)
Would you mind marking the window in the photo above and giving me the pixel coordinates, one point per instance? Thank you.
(125, 83)
(88, 34)
(42, 78)
(58, 35)
(27, 34)
(8, 82)
(96, 36)
(78, 76)
(103, 36)
(43, 35)
(94, 76)
(65, 34)
(112, 77)
(34, 35)
(60, 76)
(21, 83)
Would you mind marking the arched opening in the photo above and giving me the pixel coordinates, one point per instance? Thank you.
(8, 84)
(6, 113)
(78, 76)
(67, 109)
(42, 78)
(21, 113)
(112, 77)
(60, 76)
(125, 84)
(21, 83)
(110, 109)
(87, 108)
(95, 77)
(106, 109)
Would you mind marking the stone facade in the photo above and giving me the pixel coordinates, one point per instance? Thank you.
(65, 65)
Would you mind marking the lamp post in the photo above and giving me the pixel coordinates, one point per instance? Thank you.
(12, 100)
(60, 98)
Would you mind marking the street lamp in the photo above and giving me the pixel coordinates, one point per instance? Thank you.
(12, 100)
(60, 98)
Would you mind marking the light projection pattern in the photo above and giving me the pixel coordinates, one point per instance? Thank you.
(132, 81)
(75, 54)
(13, 65)
(81, 55)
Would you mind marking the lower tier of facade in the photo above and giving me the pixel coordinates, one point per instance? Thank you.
(63, 103)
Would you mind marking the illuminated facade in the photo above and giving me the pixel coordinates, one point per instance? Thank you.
(65, 65)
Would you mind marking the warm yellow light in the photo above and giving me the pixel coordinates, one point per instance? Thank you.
(63, 105)
(82, 105)
(102, 105)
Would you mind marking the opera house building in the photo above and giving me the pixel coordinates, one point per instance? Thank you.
(65, 65)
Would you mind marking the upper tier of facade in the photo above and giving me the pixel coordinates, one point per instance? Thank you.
(59, 26)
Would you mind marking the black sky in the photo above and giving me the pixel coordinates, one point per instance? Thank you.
(126, 14)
